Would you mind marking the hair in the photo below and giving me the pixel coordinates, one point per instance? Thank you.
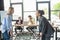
(41, 12)
(11, 8)
(19, 17)
(30, 16)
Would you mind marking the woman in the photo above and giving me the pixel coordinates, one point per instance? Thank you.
(30, 22)
(45, 29)
(19, 22)
(6, 27)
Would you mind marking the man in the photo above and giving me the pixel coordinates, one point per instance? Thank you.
(45, 29)
(6, 27)
(19, 22)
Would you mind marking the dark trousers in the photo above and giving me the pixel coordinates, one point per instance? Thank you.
(18, 28)
(30, 29)
(45, 38)
(6, 36)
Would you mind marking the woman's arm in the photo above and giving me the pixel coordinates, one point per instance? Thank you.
(42, 27)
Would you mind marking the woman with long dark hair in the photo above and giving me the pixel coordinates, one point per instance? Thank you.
(45, 29)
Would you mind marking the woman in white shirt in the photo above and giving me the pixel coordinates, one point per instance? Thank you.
(30, 22)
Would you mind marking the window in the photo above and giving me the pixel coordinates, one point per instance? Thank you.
(29, 5)
(26, 14)
(3, 14)
(43, 0)
(55, 9)
(16, 1)
(29, 9)
(53, 2)
(17, 11)
(6, 4)
(44, 6)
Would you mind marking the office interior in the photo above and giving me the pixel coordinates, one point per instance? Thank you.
(24, 8)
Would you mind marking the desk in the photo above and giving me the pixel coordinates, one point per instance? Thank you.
(22, 25)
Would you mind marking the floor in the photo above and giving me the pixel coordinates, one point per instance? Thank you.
(29, 36)
(25, 37)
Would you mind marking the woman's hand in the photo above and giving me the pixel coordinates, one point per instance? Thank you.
(40, 34)
(11, 33)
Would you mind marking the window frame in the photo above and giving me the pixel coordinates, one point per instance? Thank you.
(17, 4)
(49, 18)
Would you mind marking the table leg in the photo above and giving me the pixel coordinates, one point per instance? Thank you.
(56, 34)
(0, 35)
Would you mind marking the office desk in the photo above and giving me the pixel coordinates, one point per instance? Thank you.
(22, 25)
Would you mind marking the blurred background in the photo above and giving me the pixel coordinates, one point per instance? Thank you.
(23, 8)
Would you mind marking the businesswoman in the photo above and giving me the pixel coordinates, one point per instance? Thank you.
(30, 22)
(45, 29)
(6, 27)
